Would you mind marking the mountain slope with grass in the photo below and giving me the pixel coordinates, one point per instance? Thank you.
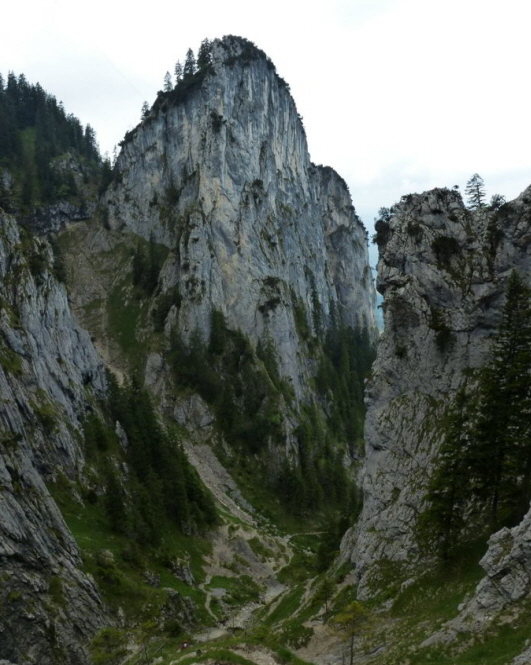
(183, 471)
(230, 275)
(187, 470)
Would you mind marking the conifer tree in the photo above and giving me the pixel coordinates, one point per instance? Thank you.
(139, 265)
(326, 592)
(178, 72)
(204, 55)
(448, 492)
(348, 621)
(168, 85)
(497, 201)
(114, 504)
(154, 265)
(218, 332)
(91, 145)
(189, 64)
(475, 190)
(502, 446)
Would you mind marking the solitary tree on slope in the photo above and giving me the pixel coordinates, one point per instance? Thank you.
(475, 191)
(347, 622)
(168, 85)
(178, 72)
(189, 64)
(204, 55)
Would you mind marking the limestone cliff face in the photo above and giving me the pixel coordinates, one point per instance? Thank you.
(443, 272)
(221, 175)
(48, 367)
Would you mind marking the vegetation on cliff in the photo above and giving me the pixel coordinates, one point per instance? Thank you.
(173, 551)
(38, 141)
(483, 475)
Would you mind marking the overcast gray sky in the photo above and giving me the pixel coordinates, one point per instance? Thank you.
(397, 95)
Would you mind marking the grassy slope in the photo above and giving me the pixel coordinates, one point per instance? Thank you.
(388, 637)
(418, 610)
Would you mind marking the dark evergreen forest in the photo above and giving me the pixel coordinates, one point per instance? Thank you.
(35, 131)
(483, 476)
(160, 483)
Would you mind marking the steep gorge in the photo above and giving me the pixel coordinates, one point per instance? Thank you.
(216, 237)
(229, 275)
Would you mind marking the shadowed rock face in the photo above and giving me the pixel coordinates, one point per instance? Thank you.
(221, 175)
(443, 271)
(47, 367)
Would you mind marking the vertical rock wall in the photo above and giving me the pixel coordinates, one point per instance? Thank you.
(48, 368)
(443, 272)
(220, 173)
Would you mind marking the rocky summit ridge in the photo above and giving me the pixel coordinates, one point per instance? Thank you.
(220, 173)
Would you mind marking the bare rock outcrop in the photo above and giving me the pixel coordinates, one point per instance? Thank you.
(443, 270)
(48, 368)
(219, 172)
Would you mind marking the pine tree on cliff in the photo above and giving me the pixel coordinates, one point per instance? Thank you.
(475, 190)
(442, 522)
(348, 621)
(90, 144)
(189, 64)
(114, 504)
(178, 72)
(168, 85)
(204, 55)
